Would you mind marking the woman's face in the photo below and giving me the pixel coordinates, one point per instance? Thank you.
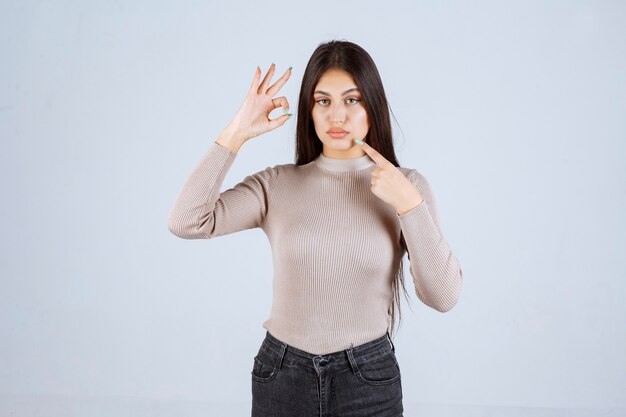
(338, 107)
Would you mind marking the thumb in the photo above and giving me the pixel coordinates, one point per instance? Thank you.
(279, 121)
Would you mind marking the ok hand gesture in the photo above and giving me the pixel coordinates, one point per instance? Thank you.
(252, 118)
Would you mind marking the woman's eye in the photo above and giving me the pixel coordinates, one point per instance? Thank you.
(324, 101)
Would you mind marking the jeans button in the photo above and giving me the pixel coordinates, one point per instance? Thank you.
(323, 362)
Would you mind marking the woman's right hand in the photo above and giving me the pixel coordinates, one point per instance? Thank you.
(252, 118)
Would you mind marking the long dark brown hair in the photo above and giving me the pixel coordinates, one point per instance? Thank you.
(352, 58)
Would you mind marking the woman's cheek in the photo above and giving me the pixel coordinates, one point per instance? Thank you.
(361, 122)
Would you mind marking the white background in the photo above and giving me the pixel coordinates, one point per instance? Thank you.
(514, 112)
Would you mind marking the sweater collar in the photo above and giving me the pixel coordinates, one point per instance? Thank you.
(351, 164)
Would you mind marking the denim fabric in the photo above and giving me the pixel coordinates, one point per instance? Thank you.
(360, 381)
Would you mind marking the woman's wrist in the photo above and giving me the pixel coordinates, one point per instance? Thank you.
(230, 140)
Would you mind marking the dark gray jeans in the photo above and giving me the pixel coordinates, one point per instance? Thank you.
(361, 381)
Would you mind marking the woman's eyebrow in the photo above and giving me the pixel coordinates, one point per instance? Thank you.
(328, 94)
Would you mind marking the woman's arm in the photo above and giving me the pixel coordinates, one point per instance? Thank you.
(202, 212)
(436, 272)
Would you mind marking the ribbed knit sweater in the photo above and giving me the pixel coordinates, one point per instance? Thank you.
(336, 246)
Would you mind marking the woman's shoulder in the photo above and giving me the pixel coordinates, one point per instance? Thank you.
(290, 169)
(417, 178)
(281, 172)
(411, 173)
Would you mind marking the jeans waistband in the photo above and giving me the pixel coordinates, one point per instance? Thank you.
(294, 356)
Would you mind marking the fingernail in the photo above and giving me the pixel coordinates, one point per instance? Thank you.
(290, 114)
(272, 64)
(285, 110)
(359, 141)
(289, 69)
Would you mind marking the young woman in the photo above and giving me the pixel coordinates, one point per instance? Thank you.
(338, 221)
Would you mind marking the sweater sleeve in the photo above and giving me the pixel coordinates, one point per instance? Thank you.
(202, 212)
(436, 272)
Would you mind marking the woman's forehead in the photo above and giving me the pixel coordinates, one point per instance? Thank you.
(336, 81)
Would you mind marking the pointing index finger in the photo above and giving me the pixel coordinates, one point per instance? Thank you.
(380, 160)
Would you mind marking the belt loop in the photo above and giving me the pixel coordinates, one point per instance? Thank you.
(283, 350)
(393, 348)
(350, 354)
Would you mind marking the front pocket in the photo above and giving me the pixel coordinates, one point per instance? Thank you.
(382, 370)
(264, 368)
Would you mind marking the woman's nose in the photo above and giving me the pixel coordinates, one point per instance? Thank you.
(337, 114)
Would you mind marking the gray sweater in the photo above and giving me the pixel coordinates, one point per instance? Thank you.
(336, 246)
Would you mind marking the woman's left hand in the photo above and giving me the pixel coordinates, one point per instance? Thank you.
(390, 184)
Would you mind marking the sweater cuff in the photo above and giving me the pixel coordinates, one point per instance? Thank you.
(223, 149)
(408, 213)
(418, 222)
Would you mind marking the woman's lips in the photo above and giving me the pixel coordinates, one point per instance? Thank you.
(337, 133)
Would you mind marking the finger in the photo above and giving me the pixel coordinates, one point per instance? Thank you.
(275, 88)
(375, 155)
(255, 80)
(281, 102)
(279, 121)
(266, 80)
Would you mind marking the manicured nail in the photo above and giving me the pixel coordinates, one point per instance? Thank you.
(359, 141)
(272, 64)
(285, 110)
(289, 69)
(290, 114)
